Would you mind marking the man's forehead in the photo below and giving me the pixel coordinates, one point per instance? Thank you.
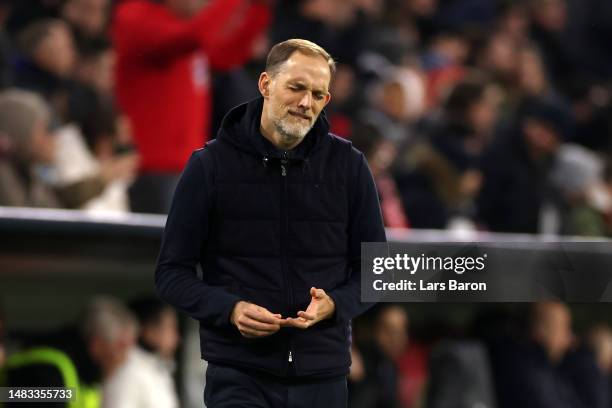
(313, 71)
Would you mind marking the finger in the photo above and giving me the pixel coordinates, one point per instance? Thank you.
(317, 293)
(261, 314)
(299, 322)
(250, 333)
(306, 315)
(255, 325)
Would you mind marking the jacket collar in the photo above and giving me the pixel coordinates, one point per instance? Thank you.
(240, 128)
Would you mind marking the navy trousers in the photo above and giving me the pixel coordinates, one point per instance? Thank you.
(228, 387)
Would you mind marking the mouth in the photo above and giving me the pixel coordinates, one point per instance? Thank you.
(299, 115)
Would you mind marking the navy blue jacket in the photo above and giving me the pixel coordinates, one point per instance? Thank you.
(267, 225)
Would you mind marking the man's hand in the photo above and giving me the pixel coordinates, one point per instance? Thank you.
(321, 307)
(254, 321)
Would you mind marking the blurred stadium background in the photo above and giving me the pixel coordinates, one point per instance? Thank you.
(479, 118)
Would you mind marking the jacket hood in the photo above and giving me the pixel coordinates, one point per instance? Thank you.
(240, 128)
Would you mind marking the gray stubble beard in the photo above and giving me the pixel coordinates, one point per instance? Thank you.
(290, 137)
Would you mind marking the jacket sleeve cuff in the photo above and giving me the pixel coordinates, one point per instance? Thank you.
(227, 307)
(338, 317)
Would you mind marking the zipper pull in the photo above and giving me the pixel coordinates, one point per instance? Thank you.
(284, 162)
(290, 357)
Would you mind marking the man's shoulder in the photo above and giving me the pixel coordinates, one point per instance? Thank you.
(339, 140)
(345, 145)
(204, 158)
(207, 149)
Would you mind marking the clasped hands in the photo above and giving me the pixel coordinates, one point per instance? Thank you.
(256, 321)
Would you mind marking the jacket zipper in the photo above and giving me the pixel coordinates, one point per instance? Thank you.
(284, 163)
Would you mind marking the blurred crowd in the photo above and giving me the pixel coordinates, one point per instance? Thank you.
(529, 358)
(486, 115)
(114, 355)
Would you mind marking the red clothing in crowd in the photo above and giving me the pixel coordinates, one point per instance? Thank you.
(162, 71)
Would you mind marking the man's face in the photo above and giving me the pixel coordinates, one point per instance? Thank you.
(56, 52)
(295, 96)
(553, 330)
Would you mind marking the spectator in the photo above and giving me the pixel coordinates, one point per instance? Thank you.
(88, 18)
(531, 78)
(440, 178)
(95, 67)
(514, 21)
(588, 367)
(47, 63)
(163, 54)
(443, 61)
(381, 152)
(590, 212)
(145, 379)
(549, 31)
(379, 388)
(101, 176)
(528, 373)
(30, 174)
(158, 326)
(25, 144)
(592, 106)
(500, 58)
(401, 97)
(518, 194)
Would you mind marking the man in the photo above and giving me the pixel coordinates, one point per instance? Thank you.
(529, 374)
(164, 52)
(518, 191)
(145, 379)
(380, 385)
(274, 210)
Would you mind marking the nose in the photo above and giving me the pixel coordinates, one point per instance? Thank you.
(306, 101)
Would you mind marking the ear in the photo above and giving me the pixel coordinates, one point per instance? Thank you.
(264, 84)
(327, 99)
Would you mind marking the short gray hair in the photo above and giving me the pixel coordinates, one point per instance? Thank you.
(107, 318)
(282, 51)
(19, 112)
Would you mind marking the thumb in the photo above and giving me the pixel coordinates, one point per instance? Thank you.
(313, 292)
